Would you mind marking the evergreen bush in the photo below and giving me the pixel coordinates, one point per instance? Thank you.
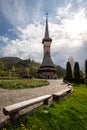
(86, 68)
(68, 75)
(76, 72)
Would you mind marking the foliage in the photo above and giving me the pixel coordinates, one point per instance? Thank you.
(15, 67)
(18, 67)
(81, 74)
(1, 65)
(69, 114)
(2, 73)
(86, 68)
(76, 72)
(68, 76)
(22, 83)
(60, 71)
(77, 76)
(9, 62)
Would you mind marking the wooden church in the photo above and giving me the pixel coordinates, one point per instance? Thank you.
(47, 69)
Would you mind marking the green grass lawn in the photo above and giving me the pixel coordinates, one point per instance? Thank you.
(22, 83)
(68, 114)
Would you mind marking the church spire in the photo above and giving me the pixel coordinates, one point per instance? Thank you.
(46, 29)
(47, 68)
(46, 38)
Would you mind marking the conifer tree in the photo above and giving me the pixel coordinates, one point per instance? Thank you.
(76, 71)
(85, 68)
(68, 76)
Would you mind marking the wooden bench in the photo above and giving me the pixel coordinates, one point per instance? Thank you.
(13, 110)
(60, 94)
(67, 82)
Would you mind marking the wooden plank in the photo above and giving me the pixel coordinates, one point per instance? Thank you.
(21, 105)
(60, 94)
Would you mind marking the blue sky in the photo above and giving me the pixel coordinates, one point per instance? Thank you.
(22, 28)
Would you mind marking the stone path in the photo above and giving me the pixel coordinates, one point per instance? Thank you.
(8, 97)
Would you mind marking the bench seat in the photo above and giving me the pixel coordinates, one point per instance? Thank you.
(15, 108)
(60, 94)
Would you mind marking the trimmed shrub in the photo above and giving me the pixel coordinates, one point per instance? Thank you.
(68, 76)
(76, 72)
(86, 68)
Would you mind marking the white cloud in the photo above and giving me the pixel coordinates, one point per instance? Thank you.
(79, 1)
(14, 11)
(74, 28)
(20, 13)
(4, 39)
(77, 24)
(66, 40)
(63, 12)
(28, 45)
(69, 34)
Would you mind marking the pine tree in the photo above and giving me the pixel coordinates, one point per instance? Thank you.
(68, 76)
(76, 72)
(85, 68)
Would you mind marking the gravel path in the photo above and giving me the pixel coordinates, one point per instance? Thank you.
(8, 97)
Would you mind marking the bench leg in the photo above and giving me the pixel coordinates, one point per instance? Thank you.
(55, 98)
(48, 101)
(13, 116)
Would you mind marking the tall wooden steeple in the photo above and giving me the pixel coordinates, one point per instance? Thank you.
(46, 38)
(47, 68)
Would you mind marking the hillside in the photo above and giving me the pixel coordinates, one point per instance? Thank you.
(13, 60)
(24, 68)
(60, 71)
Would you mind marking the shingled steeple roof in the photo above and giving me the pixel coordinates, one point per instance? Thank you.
(46, 38)
(47, 61)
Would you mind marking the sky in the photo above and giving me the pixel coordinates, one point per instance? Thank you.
(22, 28)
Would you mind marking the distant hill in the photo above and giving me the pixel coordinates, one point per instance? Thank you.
(20, 66)
(10, 59)
(23, 63)
(17, 62)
